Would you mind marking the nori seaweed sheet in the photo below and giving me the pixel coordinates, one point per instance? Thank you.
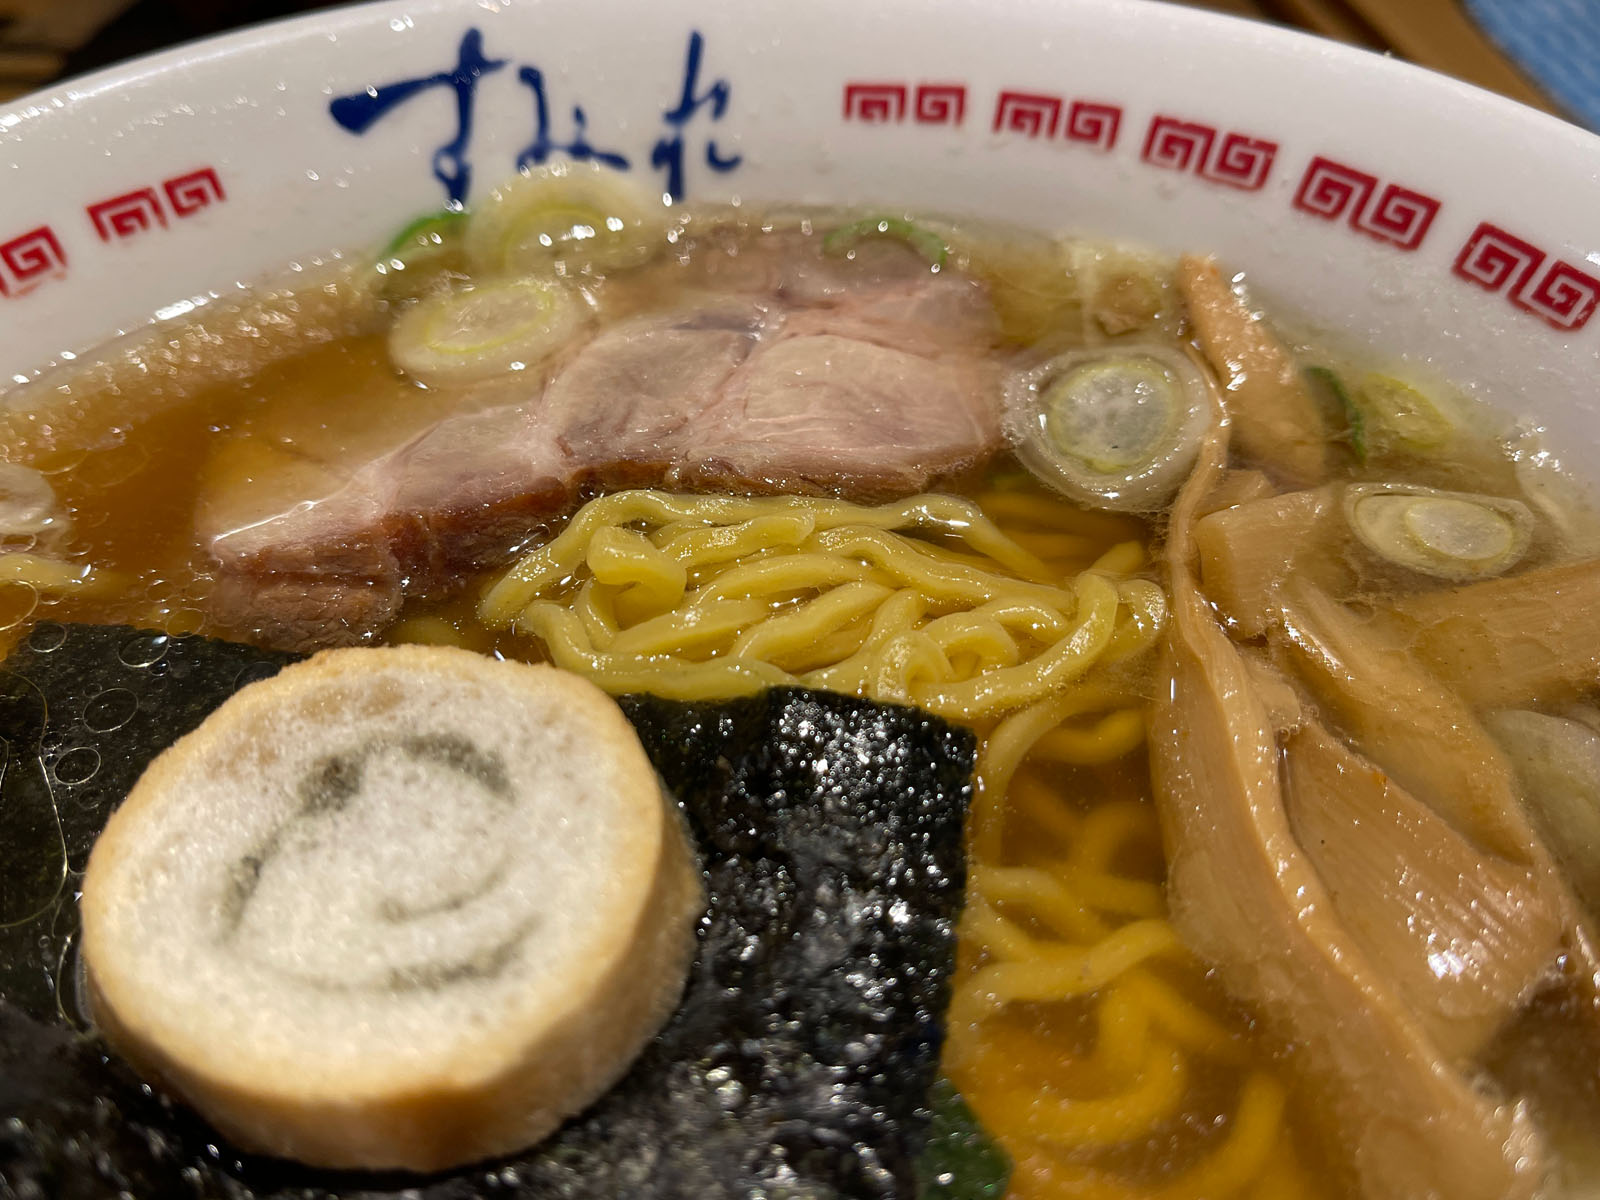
(83, 708)
(798, 1065)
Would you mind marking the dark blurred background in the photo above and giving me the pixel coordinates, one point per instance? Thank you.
(43, 40)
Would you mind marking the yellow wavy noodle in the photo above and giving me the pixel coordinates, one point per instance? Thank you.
(1122, 559)
(1080, 1030)
(1069, 964)
(924, 601)
(560, 558)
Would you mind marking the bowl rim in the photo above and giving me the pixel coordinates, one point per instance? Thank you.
(1265, 35)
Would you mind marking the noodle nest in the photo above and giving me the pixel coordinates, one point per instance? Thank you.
(1035, 634)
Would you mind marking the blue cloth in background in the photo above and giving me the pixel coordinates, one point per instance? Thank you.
(1556, 44)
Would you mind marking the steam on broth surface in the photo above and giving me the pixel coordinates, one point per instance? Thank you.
(1281, 854)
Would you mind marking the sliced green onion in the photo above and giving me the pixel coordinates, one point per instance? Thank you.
(1445, 535)
(1112, 414)
(1115, 429)
(924, 241)
(1460, 530)
(1327, 381)
(572, 217)
(27, 502)
(419, 257)
(486, 329)
(427, 231)
(1400, 416)
(1559, 498)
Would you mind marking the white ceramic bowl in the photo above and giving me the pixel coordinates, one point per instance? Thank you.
(1397, 209)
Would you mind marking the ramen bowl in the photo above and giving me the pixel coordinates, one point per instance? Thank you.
(1379, 214)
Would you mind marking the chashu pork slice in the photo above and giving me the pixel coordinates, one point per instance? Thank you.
(827, 414)
(870, 394)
